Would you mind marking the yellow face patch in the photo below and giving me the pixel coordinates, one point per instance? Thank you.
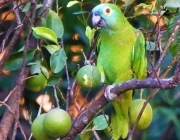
(107, 11)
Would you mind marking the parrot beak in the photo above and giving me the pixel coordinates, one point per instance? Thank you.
(97, 20)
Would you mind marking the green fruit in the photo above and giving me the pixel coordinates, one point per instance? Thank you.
(146, 118)
(36, 83)
(88, 76)
(57, 123)
(38, 130)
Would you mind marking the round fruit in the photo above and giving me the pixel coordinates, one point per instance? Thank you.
(88, 76)
(36, 83)
(38, 130)
(57, 123)
(146, 118)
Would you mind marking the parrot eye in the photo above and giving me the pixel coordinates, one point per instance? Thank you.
(107, 11)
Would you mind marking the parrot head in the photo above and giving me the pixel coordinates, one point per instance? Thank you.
(107, 15)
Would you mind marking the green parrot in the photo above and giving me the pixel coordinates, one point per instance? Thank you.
(121, 57)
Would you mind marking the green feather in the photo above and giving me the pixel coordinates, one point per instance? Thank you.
(121, 57)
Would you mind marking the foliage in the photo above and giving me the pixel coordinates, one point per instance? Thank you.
(63, 41)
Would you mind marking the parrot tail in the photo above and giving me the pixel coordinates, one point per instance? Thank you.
(119, 118)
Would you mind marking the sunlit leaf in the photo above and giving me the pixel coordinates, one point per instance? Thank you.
(141, 7)
(57, 61)
(46, 33)
(38, 6)
(71, 3)
(52, 48)
(100, 122)
(54, 23)
(89, 33)
(15, 60)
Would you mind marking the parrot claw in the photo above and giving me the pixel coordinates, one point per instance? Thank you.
(109, 96)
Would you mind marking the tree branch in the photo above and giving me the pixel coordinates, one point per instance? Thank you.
(13, 101)
(89, 114)
(85, 117)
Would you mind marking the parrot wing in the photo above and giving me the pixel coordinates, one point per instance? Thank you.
(139, 61)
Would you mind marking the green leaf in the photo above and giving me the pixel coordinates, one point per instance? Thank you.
(46, 33)
(86, 136)
(39, 6)
(145, 6)
(100, 122)
(80, 12)
(128, 2)
(53, 80)
(44, 71)
(43, 22)
(87, 132)
(172, 3)
(38, 68)
(89, 33)
(36, 36)
(15, 60)
(54, 23)
(58, 60)
(33, 63)
(175, 45)
(71, 3)
(35, 69)
(26, 7)
(21, 49)
(52, 48)
(141, 7)
(151, 46)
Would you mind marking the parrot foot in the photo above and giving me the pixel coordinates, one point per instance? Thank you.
(109, 96)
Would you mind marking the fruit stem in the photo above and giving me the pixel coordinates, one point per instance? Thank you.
(141, 92)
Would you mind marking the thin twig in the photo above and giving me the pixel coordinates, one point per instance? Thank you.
(166, 46)
(19, 125)
(171, 65)
(15, 131)
(60, 93)
(56, 97)
(96, 135)
(16, 11)
(9, 31)
(68, 81)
